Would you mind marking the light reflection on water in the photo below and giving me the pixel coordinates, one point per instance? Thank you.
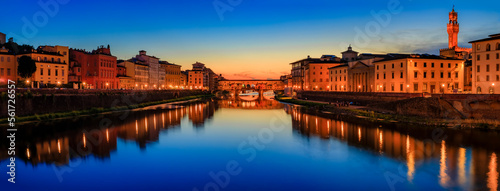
(425, 158)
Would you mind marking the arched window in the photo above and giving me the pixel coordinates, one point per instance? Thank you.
(478, 90)
(488, 47)
(498, 46)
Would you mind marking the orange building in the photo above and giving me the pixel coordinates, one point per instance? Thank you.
(316, 76)
(8, 67)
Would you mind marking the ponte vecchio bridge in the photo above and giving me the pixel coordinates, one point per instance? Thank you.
(258, 85)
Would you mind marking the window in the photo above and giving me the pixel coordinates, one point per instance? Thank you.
(432, 74)
(62, 72)
(424, 87)
(401, 87)
(487, 78)
(57, 72)
(8, 71)
(442, 75)
(415, 86)
(456, 74)
(416, 74)
(487, 68)
(1, 71)
(377, 76)
(478, 47)
(1, 59)
(48, 72)
(392, 65)
(498, 46)
(401, 74)
(392, 87)
(425, 74)
(8, 59)
(393, 75)
(384, 66)
(488, 47)
(487, 56)
(498, 56)
(432, 64)
(441, 65)
(378, 67)
(384, 76)
(41, 71)
(425, 64)
(478, 57)
(498, 67)
(449, 74)
(416, 64)
(449, 65)
(478, 78)
(478, 69)
(401, 64)
(498, 77)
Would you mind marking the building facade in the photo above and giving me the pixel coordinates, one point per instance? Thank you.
(155, 75)
(51, 66)
(127, 81)
(8, 67)
(419, 74)
(316, 76)
(486, 65)
(98, 68)
(172, 76)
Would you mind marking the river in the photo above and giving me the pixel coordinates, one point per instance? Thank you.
(261, 145)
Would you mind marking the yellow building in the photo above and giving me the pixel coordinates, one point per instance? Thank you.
(486, 65)
(419, 74)
(141, 75)
(8, 67)
(51, 65)
(172, 76)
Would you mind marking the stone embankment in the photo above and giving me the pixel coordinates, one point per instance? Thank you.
(40, 101)
(445, 106)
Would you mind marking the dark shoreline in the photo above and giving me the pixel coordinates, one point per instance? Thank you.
(95, 111)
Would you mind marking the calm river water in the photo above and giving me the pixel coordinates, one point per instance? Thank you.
(262, 145)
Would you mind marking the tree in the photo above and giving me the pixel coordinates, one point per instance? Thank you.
(26, 67)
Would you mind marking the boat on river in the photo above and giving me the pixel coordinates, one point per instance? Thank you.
(269, 95)
(249, 95)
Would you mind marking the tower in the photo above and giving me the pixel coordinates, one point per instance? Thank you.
(453, 29)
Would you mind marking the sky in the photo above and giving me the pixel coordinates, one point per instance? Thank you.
(246, 39)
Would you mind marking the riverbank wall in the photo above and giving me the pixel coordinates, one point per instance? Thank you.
(465, 106)
(39, 101)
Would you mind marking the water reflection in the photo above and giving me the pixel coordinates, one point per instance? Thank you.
(454, 159)
(39, 146)
(462, 162)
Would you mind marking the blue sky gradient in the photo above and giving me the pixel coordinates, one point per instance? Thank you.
(256, 39)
